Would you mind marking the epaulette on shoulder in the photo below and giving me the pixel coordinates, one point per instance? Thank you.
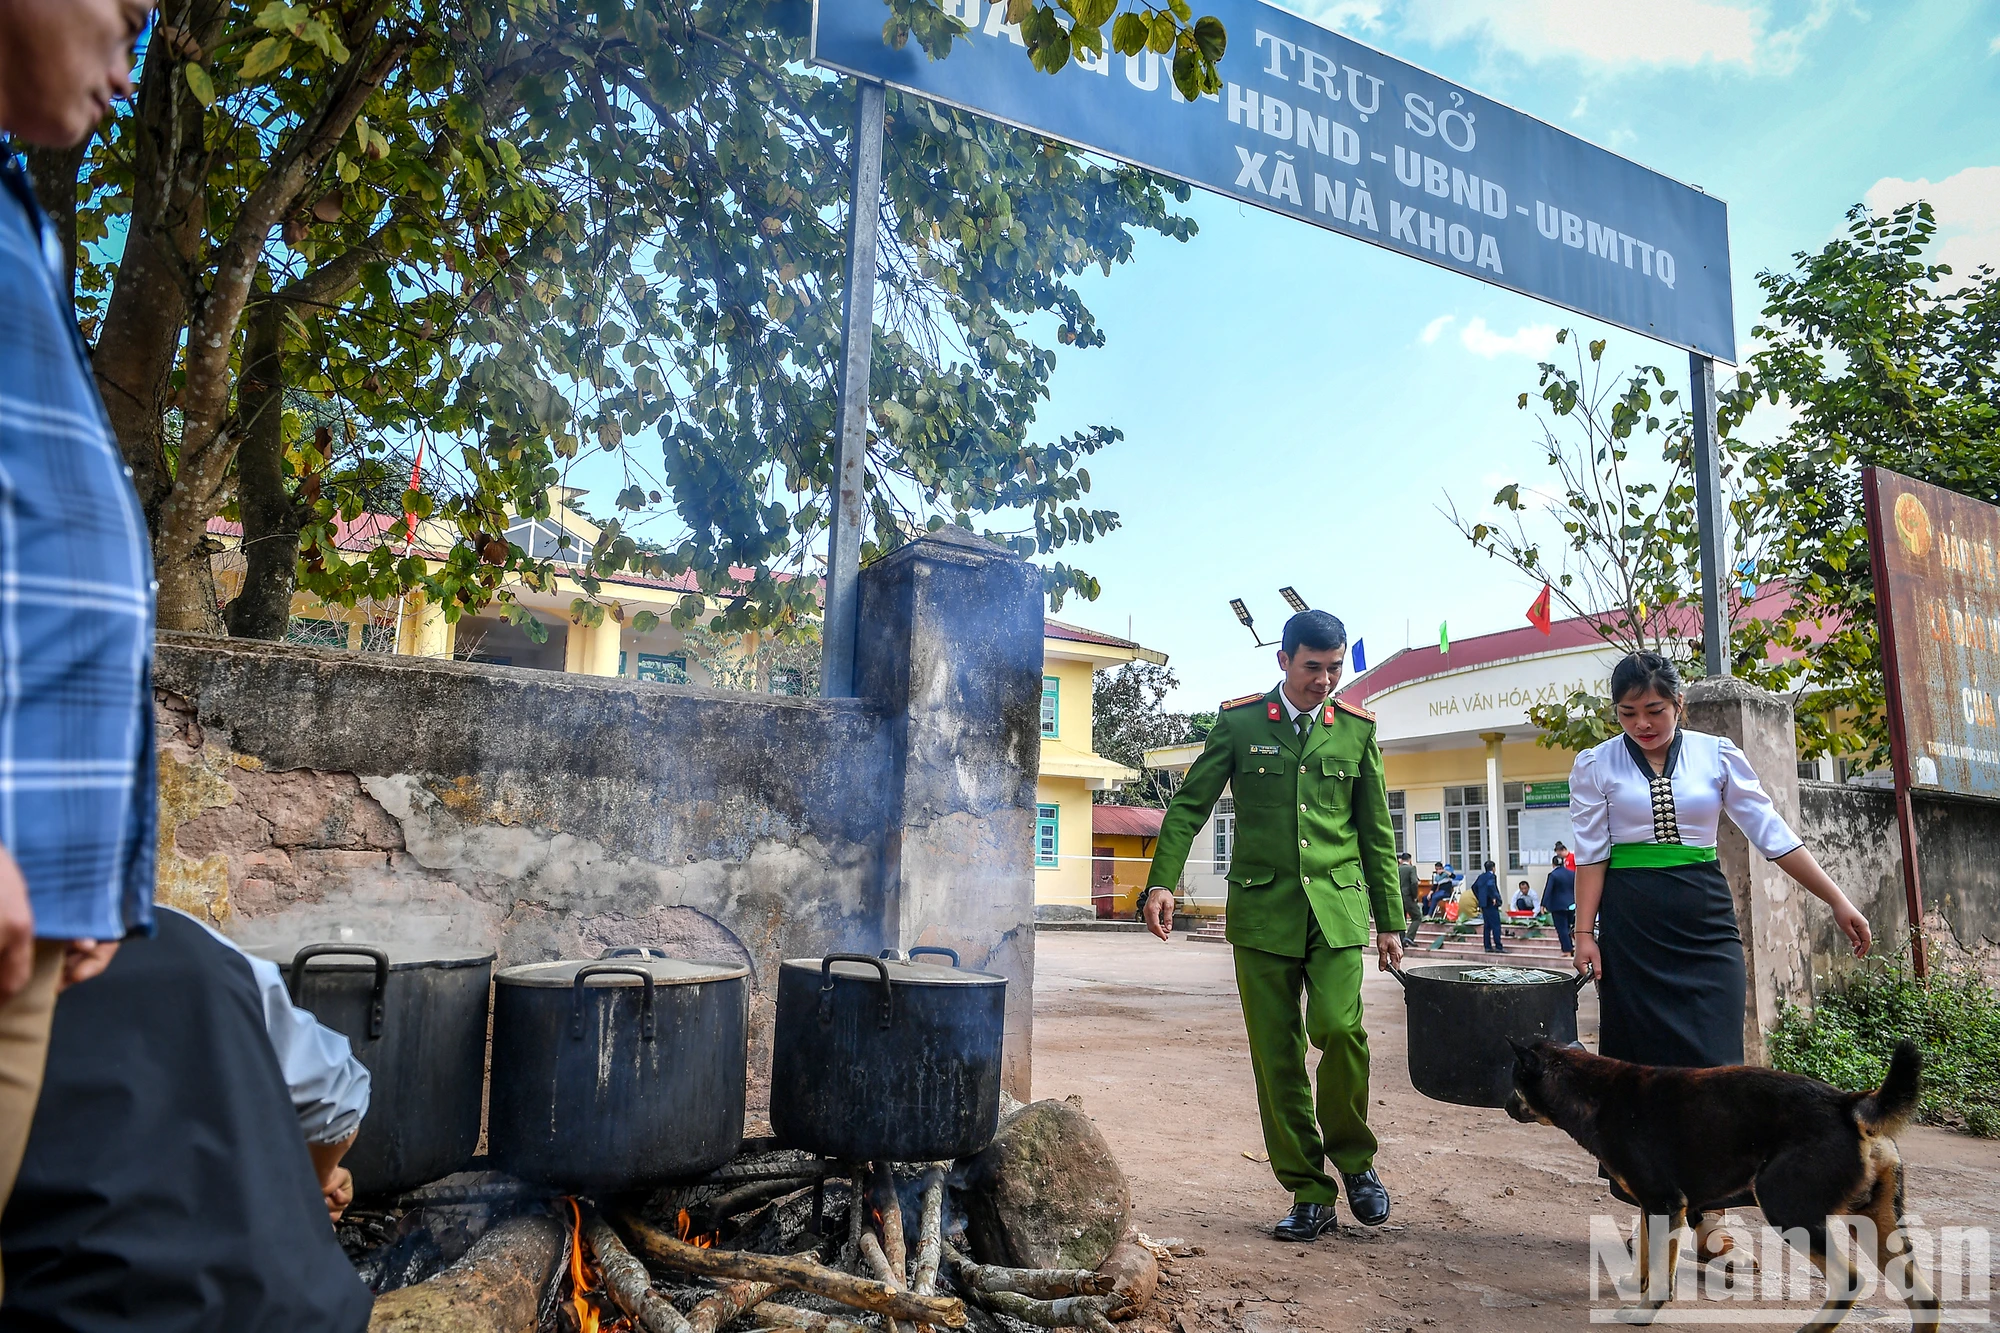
(1244, 702)
(1356, 709)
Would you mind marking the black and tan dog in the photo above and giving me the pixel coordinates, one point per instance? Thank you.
(1684, 1142)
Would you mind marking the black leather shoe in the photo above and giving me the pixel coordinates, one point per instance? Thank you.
(1366, 1198)
(1306, 1222)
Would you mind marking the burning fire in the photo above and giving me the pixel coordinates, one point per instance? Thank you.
(683, 1225)
(584, 1282)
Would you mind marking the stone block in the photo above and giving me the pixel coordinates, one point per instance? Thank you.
(1046, 1193)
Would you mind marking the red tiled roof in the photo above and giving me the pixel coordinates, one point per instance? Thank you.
(371, 530)
(1056, 629)
(1410, 664)
(1134, 821)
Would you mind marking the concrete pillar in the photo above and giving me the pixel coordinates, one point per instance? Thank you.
(950, 649)
(422, 630)
(1770, 909)
(592, 650)
(1496, 806)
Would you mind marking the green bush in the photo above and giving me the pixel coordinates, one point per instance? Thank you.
(1953, 1017)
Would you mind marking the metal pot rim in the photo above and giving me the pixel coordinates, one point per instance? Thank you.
(560, 974)
(402, 957)
(1453, 973)
(902, 972)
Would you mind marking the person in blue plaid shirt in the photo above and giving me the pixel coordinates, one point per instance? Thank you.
(76, 581)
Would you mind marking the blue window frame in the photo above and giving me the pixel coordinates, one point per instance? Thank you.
(1051, 697)
(1046, 843)
(663, 669)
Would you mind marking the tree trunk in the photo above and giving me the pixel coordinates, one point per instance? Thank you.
(263, 608)
(54, 172)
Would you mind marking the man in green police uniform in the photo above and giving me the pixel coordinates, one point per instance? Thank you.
(1314, 859)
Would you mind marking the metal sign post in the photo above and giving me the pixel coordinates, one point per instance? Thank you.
(840, 621)
(1708, 510)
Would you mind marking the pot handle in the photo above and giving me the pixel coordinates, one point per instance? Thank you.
(1589, 973)
(646, 1026)
(1399, 975)
(375, 994)
(632, 951)
(826, 985)
(936, 948)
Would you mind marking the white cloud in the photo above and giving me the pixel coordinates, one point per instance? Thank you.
(1662, 32)
(1342, 15)
(1528, 340)
(1968, 213)
(1993, 47)
(1434, 328)
(1582, 105)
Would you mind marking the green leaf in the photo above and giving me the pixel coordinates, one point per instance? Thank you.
(266, 56)
(1210, 37)
(1128, 34)
(1161, 32)
(199, 83)
(1181, 11)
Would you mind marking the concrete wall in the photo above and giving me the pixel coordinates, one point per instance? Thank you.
(1852, 831)
(547, 815)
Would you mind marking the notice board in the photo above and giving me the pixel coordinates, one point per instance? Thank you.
(1937, 597)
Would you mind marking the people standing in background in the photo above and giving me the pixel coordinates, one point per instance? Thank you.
(1566, 856)
(76, 578)
(1559, 899)
(1486, 890)
(1406, 880)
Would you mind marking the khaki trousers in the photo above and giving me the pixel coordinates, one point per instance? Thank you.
(24, 1051)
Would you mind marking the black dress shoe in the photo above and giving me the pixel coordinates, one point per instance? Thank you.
(1306, 1221)
(1366, 1197)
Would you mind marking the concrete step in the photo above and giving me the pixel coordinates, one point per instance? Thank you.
(1543, 952)
(1211, 931)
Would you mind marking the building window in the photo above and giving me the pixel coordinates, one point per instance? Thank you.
(1465, 841)
(1045, 835)
(378, 638)
(784, 680)
(1051, 695)
(1396, 818)
(1225, 833)
(316, 633)
(662, 668)
(1514, 797)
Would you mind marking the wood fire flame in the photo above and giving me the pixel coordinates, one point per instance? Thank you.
(683, 1225)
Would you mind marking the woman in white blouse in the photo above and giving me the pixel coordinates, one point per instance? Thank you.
(1654, 916)
(1645, 804)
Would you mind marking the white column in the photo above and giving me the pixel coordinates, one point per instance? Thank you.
(1496, 806)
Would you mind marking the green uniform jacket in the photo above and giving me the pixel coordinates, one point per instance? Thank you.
(1312, 827)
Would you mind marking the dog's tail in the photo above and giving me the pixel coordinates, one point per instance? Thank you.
(1887, 1109)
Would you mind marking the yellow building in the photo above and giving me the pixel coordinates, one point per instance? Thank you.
(1122, 839)
(1071, 657)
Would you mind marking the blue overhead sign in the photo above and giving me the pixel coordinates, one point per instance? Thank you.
(1321, 128)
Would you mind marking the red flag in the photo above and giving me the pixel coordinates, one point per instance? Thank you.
(1538, 614)
(416, 475)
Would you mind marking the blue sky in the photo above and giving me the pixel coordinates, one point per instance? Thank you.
(1303, 422)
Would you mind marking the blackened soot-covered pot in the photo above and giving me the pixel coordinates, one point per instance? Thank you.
(1460, 1030)
(618, 1074)
(878, 1059)
(415, 1015)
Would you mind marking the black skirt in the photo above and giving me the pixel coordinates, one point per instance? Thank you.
(1673, 967)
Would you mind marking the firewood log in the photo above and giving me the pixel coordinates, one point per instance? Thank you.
(496, 1288)
(878, 1263)
(930, 1234)
(791, 1316)
(801, 1274)
(1039, 1283)
(890, 1204)
(630, 1285)
(1065, 1312)
(725, 1306)
(1134, 1272)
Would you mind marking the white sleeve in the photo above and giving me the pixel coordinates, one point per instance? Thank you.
(329, 1086)
(1750, 808)
(1589, 810)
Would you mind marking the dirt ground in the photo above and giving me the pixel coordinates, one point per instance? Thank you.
(1491, 1220)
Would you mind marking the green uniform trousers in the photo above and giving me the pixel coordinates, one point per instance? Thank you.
(1301, 1132)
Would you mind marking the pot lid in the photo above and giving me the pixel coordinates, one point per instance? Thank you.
(665, 972)
(903, 972)
(401, 956)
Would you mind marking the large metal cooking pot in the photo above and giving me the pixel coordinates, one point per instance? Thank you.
(1459, 1030)
(416, 1017)
(618, 1074)
(881, 1059)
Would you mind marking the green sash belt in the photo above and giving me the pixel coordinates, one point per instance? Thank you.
(1655, 855)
